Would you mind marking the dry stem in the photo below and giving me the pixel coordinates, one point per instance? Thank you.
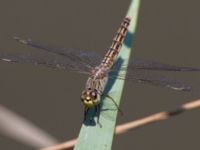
(123, 128)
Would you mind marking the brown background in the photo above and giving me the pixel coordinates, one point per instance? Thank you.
(168, 31)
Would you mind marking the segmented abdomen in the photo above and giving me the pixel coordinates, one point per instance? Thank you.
(116, 44)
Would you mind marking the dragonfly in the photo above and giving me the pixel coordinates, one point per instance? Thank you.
(99, 69)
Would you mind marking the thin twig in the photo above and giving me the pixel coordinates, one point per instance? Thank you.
(123, 128)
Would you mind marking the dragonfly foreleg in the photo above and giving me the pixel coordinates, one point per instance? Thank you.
(114, 102)
(97, 113)
(86, 109)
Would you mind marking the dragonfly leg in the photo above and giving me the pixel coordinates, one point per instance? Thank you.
(86, 109)
(117, 106)
(97, 113)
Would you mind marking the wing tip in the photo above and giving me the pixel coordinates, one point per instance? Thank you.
(182, 88)
(20, 40)
(5, 59)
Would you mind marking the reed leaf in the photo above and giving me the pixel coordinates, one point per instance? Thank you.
(91, 135)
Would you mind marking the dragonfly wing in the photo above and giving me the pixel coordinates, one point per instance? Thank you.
(156, 66)
(89, 58)
(152, 78)
(51, 61)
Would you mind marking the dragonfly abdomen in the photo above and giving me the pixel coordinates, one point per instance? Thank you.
(116, 44)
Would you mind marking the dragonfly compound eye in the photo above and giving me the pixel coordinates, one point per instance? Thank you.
(94, 95)
(90, 98)
(86, 99)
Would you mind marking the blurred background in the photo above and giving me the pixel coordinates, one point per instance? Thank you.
(167, 31)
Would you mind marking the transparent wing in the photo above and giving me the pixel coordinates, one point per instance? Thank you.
(51, 61)
(147, 77)
(87, 58)
(156, 66)
(147, 72)
(83, 61)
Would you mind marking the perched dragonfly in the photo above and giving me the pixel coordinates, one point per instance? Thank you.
(99, 69)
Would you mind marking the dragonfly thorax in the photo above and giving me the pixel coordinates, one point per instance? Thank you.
(90, 97)
(99, 72)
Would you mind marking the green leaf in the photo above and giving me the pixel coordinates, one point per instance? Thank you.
(92, 136)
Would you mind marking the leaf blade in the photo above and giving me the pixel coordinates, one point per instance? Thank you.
(91, 137)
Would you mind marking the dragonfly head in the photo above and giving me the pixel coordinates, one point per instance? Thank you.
(90, 97)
